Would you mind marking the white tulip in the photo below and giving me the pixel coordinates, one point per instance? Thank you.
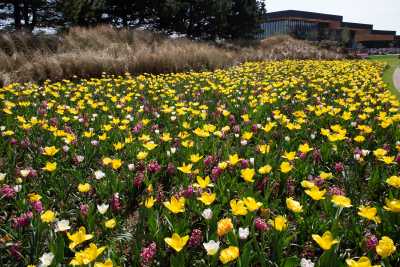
(306, 263)
(244, 233)
(17, 188)
(131, 167)
(62, 226)
(46, 259)
(102, 208)
(207, 214)
(25, 172)
(99, 174)
(211, 247)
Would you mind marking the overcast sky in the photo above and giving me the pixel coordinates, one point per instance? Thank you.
(383, 14)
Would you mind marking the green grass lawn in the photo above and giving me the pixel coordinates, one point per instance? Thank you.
(393, 62)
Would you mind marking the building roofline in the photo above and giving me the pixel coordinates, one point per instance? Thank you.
(383, 32)
(303, 14)
(354, 25)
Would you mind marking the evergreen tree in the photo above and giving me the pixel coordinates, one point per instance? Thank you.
(83, 12)
(245, 19)
(199, 19)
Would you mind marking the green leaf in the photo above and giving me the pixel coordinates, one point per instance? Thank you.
(291, 262)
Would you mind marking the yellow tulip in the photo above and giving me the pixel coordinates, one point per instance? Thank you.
(229, 254)
(50, 151)
(87, 255)
(141, 155)
(149, 203)
(224, 226)
(247, 175)
(116, 164)
(305, 148)
(290, 155)
(369, 213)
(325, 175)
(110, 223)
(150, 145)
(265, 169)
(341, 201)
(207, 198)
(293, 205)
(385, 247)
(238, 207)
(84, 188)
(234, 159)
(175, 205)
(50, 166)
(203, 183)
(286, 167)
(362, 262)
(307, 184)
(394, 181)
(176, 242)
(392, 205)
(186, 168)
(107, 263)
(326, 241)
(279, 223)
(388, 159)
(78, 237)
(194, 158)
(252, 204)
(315, 193)
(48, 216)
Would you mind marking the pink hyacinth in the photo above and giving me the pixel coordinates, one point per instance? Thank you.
(147, 254)
(334, 190)
(171, 169)
(23, 220)
(208, 160)
(37, 206)
(215, 173)
(139, 178)
(260, 224)
(339, 167)
(84, 208)
(7, 192)
(116, 202)
(153, 167)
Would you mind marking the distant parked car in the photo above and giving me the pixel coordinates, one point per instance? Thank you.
(362, 55)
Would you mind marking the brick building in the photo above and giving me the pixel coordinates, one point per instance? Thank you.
(318, 26)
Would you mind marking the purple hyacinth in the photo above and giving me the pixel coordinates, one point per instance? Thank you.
(196, 238)
(371, 241)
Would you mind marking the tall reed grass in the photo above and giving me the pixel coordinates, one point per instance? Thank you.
(89, 52)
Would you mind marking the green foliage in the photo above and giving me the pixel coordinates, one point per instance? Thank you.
(204, 19)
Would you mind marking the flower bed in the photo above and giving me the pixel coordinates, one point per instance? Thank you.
(264, 164)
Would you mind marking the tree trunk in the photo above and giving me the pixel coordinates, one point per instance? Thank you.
(17, 14)
(25, 14)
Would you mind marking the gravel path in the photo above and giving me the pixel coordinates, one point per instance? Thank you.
(396, 78)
